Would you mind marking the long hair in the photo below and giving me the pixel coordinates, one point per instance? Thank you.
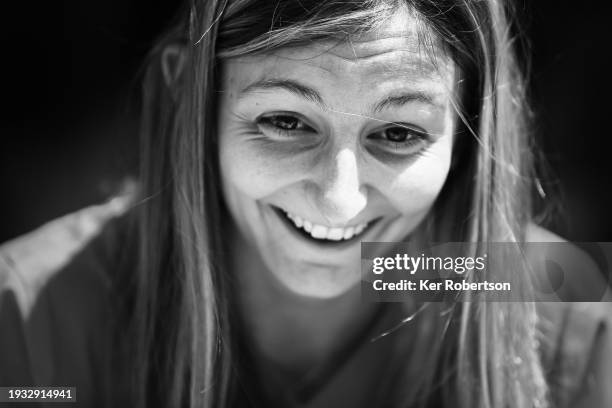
(181, 327)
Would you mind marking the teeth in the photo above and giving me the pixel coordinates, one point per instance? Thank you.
(308, 226)
(348, 232)
(322, 232)
(335, 234)
(319, 231)
(299, 222)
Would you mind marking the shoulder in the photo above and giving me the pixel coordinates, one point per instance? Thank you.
(565, 271)
(31, 262)
(536, 233)
(575, 337)
(54, 290)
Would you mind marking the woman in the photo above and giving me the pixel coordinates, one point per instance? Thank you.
(276, 137)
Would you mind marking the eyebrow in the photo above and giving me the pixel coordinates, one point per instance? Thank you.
(305, 92)
(294, 87)
(403, 99)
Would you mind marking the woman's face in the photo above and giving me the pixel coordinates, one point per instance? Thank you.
(328, 145)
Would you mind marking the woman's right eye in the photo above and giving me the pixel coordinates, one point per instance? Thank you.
(283, 124)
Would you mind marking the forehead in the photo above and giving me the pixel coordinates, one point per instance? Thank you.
(390, 56)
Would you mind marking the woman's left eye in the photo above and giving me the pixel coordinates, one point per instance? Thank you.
(402, 139)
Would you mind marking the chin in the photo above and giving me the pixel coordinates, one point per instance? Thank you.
(318, 281)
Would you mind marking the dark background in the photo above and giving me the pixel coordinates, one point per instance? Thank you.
(70, 74)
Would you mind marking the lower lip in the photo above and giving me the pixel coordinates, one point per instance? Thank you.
(304, 236)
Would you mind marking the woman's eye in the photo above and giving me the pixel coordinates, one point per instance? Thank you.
(283, 124)
(397, 134)
(401, 139)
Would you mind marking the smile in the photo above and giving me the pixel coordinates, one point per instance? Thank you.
(323, 232)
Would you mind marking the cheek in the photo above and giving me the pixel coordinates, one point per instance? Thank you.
(415, 188)
(242, 171)
(250, 169)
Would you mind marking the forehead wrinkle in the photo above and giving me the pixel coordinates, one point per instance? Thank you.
(350, 42)
(392, 69)
(308, 60)
(394, 62)
(366, 49)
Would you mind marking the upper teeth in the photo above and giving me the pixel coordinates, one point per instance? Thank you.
(322, 232)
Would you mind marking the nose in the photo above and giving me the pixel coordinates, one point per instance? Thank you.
(342, 195)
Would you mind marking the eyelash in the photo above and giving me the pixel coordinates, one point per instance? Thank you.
(412, 140)
(271, 123)
(414, 137)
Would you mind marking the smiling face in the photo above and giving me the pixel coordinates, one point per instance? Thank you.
(331, 144)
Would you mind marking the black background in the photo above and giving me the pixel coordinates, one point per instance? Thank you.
(70, 72)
